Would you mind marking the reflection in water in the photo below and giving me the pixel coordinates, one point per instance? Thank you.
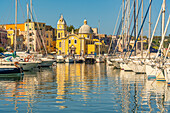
(83, 88)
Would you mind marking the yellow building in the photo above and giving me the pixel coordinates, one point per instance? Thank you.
(11, 30)
(50, 39)
(71, 43)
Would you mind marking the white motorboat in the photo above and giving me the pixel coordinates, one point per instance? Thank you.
(60, 59)
(100, 60)
(46, 62)
(69, 60)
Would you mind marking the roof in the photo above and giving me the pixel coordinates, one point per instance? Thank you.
(61, 20)
(85, 28)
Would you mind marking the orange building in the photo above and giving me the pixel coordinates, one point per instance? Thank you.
(20, 27)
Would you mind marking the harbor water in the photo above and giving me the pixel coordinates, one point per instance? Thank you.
(82, 88)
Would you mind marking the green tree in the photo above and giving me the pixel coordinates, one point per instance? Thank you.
(69, 28)
(1, 49)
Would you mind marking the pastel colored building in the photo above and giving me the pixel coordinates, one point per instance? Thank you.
(4, 42)
(50, 35)
(71, 43)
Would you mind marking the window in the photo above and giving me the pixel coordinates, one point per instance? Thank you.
(47, 42)
(43, 25)
(75, 41)
(58, 35)
(69, 41)
(47, 35)
(40, 25)
(59, 44)
(26, 25)
(35, 28)
(61, 34)
(35, 24)
(87, 36)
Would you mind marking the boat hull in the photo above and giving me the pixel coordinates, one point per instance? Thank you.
(69, 60)
(150, 72)
(9, 70)
(46, 63)
(89, 60)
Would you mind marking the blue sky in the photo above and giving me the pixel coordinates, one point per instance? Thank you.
(75, 11)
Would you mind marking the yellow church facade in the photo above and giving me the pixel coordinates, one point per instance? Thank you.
(71, 43)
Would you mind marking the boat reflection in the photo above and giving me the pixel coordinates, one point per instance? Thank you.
(86, 85)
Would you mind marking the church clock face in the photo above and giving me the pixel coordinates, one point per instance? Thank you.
(60, 26)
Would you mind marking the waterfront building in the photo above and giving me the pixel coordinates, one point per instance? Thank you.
(36, 35)
(70, 43)
(50, 34)
(11, 31)
(4, 42)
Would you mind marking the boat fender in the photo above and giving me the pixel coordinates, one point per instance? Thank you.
(29, 56)
(16, 64)
(26, 59)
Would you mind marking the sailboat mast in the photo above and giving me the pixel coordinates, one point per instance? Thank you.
(163, 17)
(99, 38)
(135, 25)
(31, 11)
(149, 36)
(142, 32)
(123, 8)
(16, 3)
(28, 39)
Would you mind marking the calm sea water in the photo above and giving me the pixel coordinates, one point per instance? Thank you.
(81, 88)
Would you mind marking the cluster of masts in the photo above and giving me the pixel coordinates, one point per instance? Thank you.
(155, 66)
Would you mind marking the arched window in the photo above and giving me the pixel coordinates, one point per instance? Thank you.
(59, 44)
(47, 42)
(75, 41)
(58, 35)
(69, 41)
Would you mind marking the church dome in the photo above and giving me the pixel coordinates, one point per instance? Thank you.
(85, 28)
(61, 20)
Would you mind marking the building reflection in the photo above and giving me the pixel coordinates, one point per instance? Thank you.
(78, 79)
(80, 82)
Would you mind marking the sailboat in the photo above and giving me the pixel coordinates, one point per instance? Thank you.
(44, 61)
(7, 69)
(99, 59)
(27, 63)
